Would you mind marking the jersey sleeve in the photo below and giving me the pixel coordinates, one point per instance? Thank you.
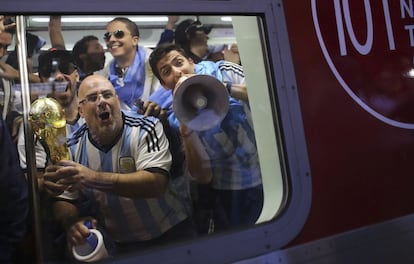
(153, 149)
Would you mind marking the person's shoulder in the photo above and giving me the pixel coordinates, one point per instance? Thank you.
(223, 64)
(77, 134)
(134, 119)
(231, 67)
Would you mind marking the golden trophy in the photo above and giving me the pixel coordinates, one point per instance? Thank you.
(48, 122)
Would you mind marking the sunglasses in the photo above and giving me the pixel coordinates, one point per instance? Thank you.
(117, 34)
(64, 67)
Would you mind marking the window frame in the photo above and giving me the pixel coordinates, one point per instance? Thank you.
(264, 237)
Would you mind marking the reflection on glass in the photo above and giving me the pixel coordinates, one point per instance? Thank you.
(224, 175)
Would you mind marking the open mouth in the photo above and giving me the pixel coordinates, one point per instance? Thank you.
(104, 116)
(114, 46)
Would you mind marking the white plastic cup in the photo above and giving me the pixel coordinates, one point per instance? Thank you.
(93, 250)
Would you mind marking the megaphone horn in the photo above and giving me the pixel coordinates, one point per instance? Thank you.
(201, 102)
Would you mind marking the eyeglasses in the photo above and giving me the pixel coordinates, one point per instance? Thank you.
(64, 67)
(92, 98)
(117, 34)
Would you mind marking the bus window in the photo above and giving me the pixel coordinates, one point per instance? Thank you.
(241, 151)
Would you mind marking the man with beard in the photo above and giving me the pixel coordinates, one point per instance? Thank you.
(120, 166)
(89, 56)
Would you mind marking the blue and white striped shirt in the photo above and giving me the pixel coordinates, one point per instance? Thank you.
(142, 145)
(231, 145)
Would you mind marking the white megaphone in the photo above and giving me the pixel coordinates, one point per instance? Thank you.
(201, 102)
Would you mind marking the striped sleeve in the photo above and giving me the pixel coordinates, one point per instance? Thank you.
(231, 72)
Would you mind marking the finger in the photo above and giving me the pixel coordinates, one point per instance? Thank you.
(163, 114)
(65, 163)
(76, 237)
(153, 110)
(66, 172)
(53, 189)
(52, 168)
(67, 181)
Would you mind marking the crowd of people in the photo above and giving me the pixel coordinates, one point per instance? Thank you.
(134, 171)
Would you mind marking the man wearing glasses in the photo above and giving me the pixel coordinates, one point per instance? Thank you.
(120, 164)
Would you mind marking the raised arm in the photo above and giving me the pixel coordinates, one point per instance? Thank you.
(197, 159)
(55, 32)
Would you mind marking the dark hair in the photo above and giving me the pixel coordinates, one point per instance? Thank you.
(160, 52)
(81, 47)
(131, 26)
(31, 44)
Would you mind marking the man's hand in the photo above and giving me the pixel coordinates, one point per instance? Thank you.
(77, 233)
(149, 108)
(71, 176)
(52, 180)
(5, 27)
(171, 22)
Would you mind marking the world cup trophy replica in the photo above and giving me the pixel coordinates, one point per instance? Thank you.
(48, 122)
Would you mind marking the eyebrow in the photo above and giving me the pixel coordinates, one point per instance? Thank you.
(101, 91)
(179, 56)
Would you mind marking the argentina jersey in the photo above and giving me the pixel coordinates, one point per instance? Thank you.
(231, 147)
(142, 146)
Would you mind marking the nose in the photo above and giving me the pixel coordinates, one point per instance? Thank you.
(177, 72)
(100, 99)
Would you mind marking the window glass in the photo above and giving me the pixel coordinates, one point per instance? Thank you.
(233, 179)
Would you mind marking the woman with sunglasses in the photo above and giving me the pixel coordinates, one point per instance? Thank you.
(129, 72)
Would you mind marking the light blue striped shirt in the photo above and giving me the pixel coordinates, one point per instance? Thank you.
(142, 145)
(231, 145)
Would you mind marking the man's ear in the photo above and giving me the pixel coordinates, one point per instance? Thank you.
(77, 76)
(135, 40)
(80, 111)
(190, 60)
